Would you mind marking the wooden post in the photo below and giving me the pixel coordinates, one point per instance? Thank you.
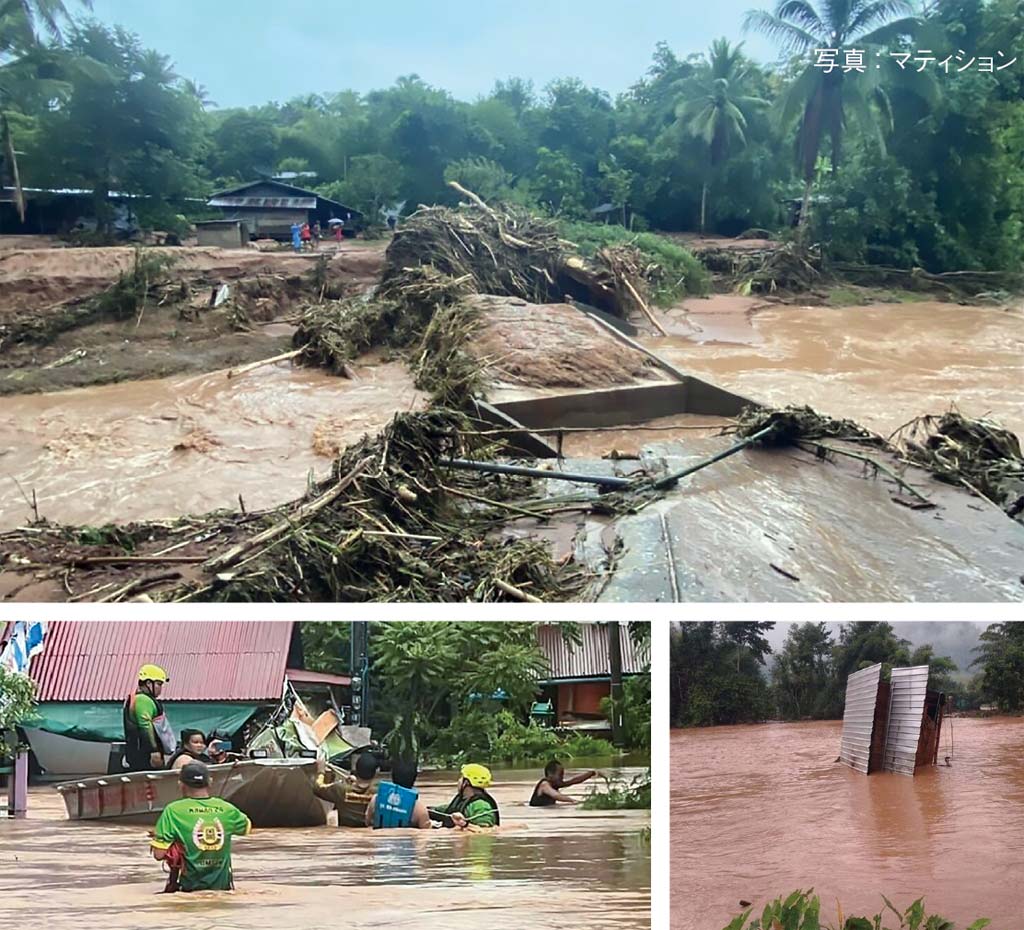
(615, 668)
(17, 787)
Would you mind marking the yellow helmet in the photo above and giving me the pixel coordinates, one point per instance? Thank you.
(479, 776)
(152, 673)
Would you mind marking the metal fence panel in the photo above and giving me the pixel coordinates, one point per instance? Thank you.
(859, 717)
(906, 711)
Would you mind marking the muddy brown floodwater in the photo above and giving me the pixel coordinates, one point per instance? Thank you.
(760, 811)
(880, 364)
(543, 868)
(154, 449)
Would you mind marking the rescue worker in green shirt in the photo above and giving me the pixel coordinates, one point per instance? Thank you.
(193, 835)
(143, 715)
(472, 806)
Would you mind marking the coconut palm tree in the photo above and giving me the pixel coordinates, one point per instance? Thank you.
(23, 58)
(827, 99)
(718, 112)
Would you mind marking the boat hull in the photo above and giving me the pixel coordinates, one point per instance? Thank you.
(272, 792)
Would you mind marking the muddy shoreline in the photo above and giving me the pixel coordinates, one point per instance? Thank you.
(51, 339)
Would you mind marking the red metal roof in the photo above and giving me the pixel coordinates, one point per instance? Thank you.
(205, 660)
(590, 658)
(301, 676)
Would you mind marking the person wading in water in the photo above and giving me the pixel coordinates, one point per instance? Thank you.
(350, 795)
(193, 835)
(397, 803)
(548, 791)
(144, 723)
(472, 806)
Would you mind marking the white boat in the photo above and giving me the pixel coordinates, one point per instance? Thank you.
(272, 792)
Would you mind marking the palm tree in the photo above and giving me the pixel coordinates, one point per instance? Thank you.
(827, 98)
(21, 55)
(718, 113)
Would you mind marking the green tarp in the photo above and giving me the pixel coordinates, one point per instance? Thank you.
(102, 722)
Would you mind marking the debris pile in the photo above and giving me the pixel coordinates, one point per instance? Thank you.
(391, 523)
(978, 454)
(443, 255)
(788, 425)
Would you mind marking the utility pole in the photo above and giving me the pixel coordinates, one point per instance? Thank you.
(615, 666)
(359, 668)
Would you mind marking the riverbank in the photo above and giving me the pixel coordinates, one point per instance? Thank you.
(55, 336)
(759, 810)
(546, 868)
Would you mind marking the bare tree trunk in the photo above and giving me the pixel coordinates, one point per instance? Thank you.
(12, 159)
(703, 205)
(805, 208)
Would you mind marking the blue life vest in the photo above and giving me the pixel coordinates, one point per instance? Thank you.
(394, 805)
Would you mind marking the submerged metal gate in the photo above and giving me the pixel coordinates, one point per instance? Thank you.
(859, 717)
(906, 711)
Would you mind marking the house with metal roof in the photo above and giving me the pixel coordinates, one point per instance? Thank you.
(580, 673)
(221, 676)
(269, 207)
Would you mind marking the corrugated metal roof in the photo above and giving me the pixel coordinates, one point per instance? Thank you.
(206, 661)
(859, 717)
(906, 711)
(284, 203)
(300, 676)
(590, 658)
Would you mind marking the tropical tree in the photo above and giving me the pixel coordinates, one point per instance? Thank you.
(802, 673)
(718, 112)
(27, 69)
(429, 671)
(827, 98)
(1001, 657)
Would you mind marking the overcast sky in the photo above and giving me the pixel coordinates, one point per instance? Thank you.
(262, 50)
(953, 638)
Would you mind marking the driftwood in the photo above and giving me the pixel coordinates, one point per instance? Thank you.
(238, 552)
(252, 366)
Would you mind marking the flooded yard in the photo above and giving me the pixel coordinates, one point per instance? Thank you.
(543, 868)
(760, 811)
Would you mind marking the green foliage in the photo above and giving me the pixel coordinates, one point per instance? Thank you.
(636, 797)
(717, 673)
(1001, 658)
(373, 183)
(127, 123)
(801, 910)
(557, 183)
(636, 711)
(485, 733)
(912, 170)
(681, 273)
(428, 673)
(484, 177)
(17, 704)
(128, 294)
(325, 647)
(108, 535)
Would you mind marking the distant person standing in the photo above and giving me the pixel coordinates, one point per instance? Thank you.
(296, 237)
(306, 235)
(392, 222)
(316, 235)
(339, 232)
(145, 723)
(193, 835)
